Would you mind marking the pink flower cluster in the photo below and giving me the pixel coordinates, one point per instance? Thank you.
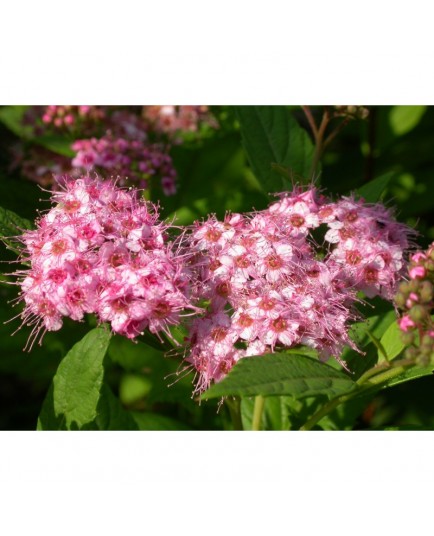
(40, 165)
(101, 250)
(369, 245)
(174, 119)
(266, 285)
(112, 139)
(65, 118)
(415, 298)
(69, 115)
(128, 142)
(131, 160)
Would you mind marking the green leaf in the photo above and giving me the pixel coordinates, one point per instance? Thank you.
(406, 428)
(12, 118)
(167, 386)
(373, 191)
(73, 399)
(402, 119)
(275, 415)
(281, 374)
(391, 341)
(135, 356)
(56, 144)
(133, 388)
(111, 415)
(410, 373)
(276, 412)
(11, 226)
(272, 138)
(154, 421)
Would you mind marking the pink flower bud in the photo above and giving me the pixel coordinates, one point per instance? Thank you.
(419, 256)
(417, 272)
(405, 323)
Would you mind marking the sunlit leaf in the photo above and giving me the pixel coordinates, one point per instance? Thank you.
(73, 400)
(403, 119)
(281, 374)
(391, 341)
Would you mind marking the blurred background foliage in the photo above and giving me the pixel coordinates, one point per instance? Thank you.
(214, 177)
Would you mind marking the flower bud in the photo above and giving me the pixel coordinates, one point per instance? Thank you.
(429, 265)
(417, 272)
(427, 340)
(413, 285)
(417, 313)
(404, 287)
(419, 256)
(407, 338)
(426, 291)
(406, 323)
(426, 350)
(411, 352)
(423, 360)
(400, 299)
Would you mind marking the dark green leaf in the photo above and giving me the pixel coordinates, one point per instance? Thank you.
(406, 428)
(166, 384)
(56, 144)
(111, 415)
(73, 399)
(12, 117)
(135, 356)
(272, 137)
(411, 373)
(345, 415)
(281, 374)
(133, 388)
(11, 226)
(154, 421)
(373, 191)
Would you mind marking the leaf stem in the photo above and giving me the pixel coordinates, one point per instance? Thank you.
(257, 412)
(319, 142)
(311, 120)
(376, 376)
(335, 132)
(325, 410)
(377, 344)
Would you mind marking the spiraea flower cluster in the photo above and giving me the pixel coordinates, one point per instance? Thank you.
(415, 298)
(40, 165)
(112, 141)
(63, 118)
(172, 120)
(132, 160)
(267, 282)
(368, 245)
(102, 250)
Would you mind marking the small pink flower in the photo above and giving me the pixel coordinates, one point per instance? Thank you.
(419, 256)
(417, 272)
(406, 323)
